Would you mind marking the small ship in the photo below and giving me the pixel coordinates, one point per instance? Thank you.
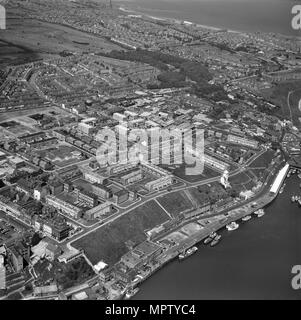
(188, 253)
(215, 241)
(210, 238)
(232, 226)
(259, 213)
(246, 218)
(131, 292)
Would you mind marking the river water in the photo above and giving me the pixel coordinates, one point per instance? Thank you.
(253, 262)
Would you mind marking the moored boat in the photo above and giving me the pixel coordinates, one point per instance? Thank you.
(215, 241)
(232, 226)
(259, 213)
(246, 218)
(131, 292)
(188, 252)
(210, 238)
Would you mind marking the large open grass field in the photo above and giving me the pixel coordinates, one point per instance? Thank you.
(287, 95)
(264, 160)
(179, 171)
(108, 243)
(175, 202)
(27, 40)
(243, 181)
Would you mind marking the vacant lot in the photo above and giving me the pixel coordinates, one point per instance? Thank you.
(175, 203)
(108, 243)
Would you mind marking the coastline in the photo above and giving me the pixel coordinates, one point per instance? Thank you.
(125, 9)
(177, 21)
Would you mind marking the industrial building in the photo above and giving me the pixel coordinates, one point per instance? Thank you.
(279, 179)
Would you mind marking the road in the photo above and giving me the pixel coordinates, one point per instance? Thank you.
(147, 199)
(289, 105)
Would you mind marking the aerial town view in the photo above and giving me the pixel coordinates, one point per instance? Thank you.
(132, 146)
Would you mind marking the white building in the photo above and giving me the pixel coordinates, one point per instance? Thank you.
(160, 183)
(215, 163)
(279, 179)
(2, 274)
(119, 117)
(243, 141)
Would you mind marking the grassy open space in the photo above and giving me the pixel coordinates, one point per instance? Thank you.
(264, 160)
(175, 202)
(28, 40)
(108, 243)
(179, 171)
(243, 181)
(279, 96)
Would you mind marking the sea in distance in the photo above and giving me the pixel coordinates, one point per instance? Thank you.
(252, 262)
(242, 15)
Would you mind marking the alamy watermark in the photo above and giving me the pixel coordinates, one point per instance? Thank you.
(2, 18)
(157, 146)
(296, 280)
(296, 21)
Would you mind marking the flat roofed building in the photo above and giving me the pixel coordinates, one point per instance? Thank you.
(32, 137)
(141, 254)
(16, 162)
(160, 183)
(45, 290)
(132, 176)
(215, 163)
(64, 206)
(98, 211)
(279, 179)
(242, 141)
(2, 274)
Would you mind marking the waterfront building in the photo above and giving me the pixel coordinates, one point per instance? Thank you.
(2, 274)
(279, 179)
(141, 254)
